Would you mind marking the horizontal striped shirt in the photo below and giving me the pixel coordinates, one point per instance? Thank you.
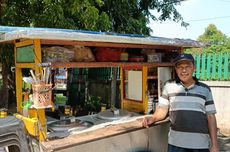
(188, 109)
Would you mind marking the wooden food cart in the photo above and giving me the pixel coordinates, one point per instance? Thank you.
(141, 80)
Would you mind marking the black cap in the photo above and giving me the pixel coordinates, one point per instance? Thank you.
(184, 57)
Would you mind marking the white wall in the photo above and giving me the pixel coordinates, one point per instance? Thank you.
(221, 95)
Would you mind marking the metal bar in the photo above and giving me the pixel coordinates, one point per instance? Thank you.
(214, 67)
(111, 44)
(145, 89)
(122, 86)
(37, 56)
(113, 87)
(108, 64)
(208, 67)
(25, 65)
(226, 66)
(18, 81)
(203, 67)
(198, 66)
(220, 66)
(24, 43)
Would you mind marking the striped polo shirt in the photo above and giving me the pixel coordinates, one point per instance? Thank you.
(188, 109)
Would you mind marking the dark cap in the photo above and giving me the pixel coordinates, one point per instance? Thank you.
(184, 57)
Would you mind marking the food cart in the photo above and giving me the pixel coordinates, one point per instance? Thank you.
(144, 64)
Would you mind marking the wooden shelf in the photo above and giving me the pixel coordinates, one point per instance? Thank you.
(107, 64)
(108, 44)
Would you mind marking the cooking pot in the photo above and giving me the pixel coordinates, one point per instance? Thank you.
(66, 124)
(113, 114)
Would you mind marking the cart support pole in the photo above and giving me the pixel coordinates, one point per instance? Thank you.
(34, 114)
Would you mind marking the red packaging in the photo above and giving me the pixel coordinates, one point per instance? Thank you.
(105, 54)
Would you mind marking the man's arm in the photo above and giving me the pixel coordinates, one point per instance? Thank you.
(158, 115)
(212, 132)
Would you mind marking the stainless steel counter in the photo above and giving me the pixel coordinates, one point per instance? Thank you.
(60, 129)
(120, 135)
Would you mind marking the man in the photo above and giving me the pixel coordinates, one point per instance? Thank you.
(191, 111)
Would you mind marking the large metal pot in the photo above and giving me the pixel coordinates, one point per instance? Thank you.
(66, 124)
(113, 114)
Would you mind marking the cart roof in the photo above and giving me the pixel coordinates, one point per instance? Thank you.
(8, 34)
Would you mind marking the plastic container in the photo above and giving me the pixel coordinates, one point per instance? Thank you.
(124, 57)
(3, 113)
(60, 99)
(108, 54)
(42, 95)
(156, 57)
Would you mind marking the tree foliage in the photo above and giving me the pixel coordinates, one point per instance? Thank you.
(122, 16)
(216, 41)
(218, 45)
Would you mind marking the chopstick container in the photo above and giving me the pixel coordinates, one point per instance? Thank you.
(42, 95)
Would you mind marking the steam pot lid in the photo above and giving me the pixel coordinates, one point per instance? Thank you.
(114, 114)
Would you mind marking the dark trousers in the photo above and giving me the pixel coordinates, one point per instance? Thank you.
(172, 148)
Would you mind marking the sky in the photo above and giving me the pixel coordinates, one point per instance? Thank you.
(199, 14)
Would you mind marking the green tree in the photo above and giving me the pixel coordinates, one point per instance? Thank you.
(216, 41)
(217, 44)
(122, 16)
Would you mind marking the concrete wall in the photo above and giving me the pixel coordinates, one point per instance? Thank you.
(221, 95)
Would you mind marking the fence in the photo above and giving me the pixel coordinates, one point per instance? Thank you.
(212, 66)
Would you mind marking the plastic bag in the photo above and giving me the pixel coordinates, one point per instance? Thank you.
(57, 54)
(82, 53)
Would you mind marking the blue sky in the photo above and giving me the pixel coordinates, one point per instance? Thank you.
(199, 14)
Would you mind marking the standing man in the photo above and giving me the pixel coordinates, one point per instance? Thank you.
(191, 111)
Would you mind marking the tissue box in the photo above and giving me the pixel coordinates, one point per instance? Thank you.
(156, 57)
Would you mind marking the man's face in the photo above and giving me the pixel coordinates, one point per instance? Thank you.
(184, 70)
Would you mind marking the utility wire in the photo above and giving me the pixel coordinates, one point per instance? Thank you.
(176, 1)
(226, 1)
(207, 19)
(180, 1)
(197, 20)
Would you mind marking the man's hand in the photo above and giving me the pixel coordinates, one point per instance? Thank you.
(148, 120)
(213, 132)
(214, 149)
(158, 115)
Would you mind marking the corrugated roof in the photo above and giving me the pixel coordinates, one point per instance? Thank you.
(8, 33)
